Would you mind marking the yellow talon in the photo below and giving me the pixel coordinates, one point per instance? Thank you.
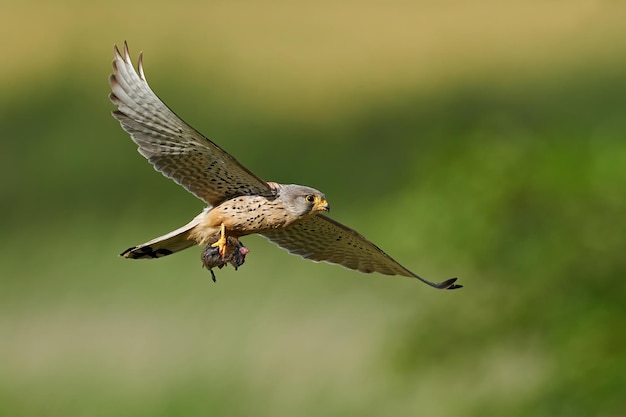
(221, 243)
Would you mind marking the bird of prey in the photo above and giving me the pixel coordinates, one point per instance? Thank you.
(239, 202)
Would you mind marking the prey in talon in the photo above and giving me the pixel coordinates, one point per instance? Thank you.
(239, 203)
(234, 253)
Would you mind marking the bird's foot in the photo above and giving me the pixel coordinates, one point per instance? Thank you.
(221, 242)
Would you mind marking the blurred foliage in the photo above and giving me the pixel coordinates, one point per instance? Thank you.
(515, 185)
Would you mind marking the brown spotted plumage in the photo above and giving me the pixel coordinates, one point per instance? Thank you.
(239, 202)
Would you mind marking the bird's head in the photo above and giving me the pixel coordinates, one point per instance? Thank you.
(302, 200)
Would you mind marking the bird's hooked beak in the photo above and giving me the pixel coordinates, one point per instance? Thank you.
(322, 205)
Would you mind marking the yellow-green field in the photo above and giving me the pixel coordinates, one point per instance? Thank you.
(484, 140)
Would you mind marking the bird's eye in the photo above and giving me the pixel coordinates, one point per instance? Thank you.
(310, 198)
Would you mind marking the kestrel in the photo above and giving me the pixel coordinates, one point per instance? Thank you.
(239, 202)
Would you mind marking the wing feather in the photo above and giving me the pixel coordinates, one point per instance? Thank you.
(322, 239)
(174, 148)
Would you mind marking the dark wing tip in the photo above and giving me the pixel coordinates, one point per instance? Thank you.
(116, 52)
(126, 52)
(448, 285)
(113, 80)
(140, 67)
(114, 99)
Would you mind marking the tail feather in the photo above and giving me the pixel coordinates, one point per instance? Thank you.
(172, 242)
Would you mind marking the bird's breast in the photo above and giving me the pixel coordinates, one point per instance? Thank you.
(245, 215)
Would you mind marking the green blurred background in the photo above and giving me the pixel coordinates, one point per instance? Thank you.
(484, 140)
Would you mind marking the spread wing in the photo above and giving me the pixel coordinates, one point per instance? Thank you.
(174, 148)
(320, 238)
